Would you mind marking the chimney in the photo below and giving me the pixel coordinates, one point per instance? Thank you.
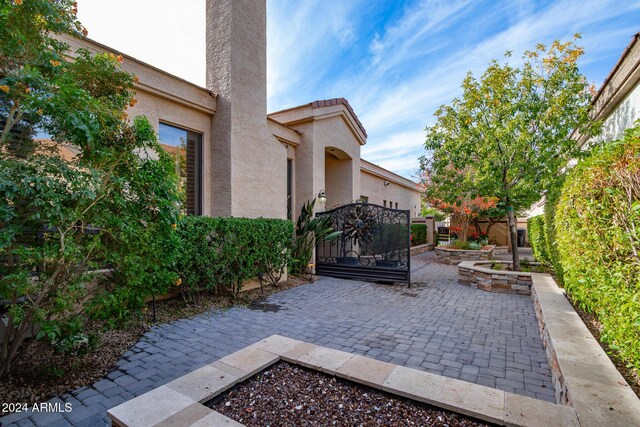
(248, 164)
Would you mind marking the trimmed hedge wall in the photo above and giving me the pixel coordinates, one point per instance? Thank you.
(418, 234)
(597, 226)
(537, 239)
(553, 196)
(229, 251)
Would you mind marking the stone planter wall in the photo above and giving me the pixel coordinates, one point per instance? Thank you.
(456, 256)
(501, 250)
(420, 249)
(478, 274)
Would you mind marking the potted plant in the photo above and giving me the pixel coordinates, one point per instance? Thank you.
(484, 238)
(474, 241)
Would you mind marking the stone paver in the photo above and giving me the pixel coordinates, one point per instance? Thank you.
(435, 326)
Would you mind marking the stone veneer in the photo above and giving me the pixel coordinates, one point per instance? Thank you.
(453, 256)
(501, 250)
(477, 275)
(420, 249)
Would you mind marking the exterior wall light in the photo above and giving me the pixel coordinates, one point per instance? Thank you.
(322, 196)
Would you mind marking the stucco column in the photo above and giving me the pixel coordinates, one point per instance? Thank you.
(249, 167)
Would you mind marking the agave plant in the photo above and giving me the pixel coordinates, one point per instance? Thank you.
(309, 230)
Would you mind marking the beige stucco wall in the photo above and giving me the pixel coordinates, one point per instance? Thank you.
(249, 165)
(339, 178)
(399, 190)
(321, 130)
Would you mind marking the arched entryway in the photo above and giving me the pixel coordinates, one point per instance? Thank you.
(338, 177)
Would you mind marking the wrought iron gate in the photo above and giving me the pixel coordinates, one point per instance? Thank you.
(374, 244)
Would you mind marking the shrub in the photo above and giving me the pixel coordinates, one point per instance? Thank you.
(553, 196)
(63, 217)
(229, 251)
(418, 234)
(309, 230)
(537, 238)
(598, 238)
(460, 244)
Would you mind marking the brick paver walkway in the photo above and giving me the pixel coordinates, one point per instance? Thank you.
(437, 326)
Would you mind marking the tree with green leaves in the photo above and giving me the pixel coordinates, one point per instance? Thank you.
(84, 199)
(510, 131)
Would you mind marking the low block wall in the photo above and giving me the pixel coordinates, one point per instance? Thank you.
(479, 274)
(456, 256)
(583, 375)
(501, 250)
(420, 249)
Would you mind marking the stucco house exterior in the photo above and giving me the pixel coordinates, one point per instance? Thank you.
(241, 161)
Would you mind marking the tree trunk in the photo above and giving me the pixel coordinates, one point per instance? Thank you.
(513, 233)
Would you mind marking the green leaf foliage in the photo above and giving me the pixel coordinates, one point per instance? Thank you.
(223, 253)
(418, 234)
(87, 218)
(536, 231)
(509, 134)
(597, 229)
(551, 203)
(309, 230)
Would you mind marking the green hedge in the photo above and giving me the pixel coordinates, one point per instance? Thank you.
(418, 234)
(537, 239)
(598, 238)
(229, 251)
(553, 196)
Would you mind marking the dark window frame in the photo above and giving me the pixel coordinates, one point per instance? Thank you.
(197, 139)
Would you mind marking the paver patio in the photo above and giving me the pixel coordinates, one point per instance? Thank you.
(436, 325)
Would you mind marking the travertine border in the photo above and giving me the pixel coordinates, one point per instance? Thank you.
(180, 401)
(584, 377)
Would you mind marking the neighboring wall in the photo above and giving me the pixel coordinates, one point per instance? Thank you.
(617, 103)
(399, 190)
(623, 117)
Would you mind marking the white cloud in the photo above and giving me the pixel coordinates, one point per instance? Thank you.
(394, 73)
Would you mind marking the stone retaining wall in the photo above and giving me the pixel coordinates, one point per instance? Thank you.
(583, 375)
(478, 274)
(420, 249)
(501, 250)
(456, 256)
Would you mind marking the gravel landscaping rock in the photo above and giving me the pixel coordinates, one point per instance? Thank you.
(288, 395)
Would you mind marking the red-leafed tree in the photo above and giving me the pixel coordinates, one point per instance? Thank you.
(464, 211)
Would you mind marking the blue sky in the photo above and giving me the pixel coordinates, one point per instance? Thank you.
(395, 61)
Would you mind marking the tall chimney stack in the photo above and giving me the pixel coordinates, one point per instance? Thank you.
(248, 164)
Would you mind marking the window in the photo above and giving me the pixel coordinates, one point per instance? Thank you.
(186, 148)
(384, 203)
(289, 189)
(396, 205)
(364, 199)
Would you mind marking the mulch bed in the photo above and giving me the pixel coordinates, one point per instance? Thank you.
(595, 327)
(289, 395)
(41, 373)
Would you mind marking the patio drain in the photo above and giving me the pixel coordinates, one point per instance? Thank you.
(265, 307)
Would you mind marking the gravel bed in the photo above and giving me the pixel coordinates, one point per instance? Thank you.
(289, 395)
